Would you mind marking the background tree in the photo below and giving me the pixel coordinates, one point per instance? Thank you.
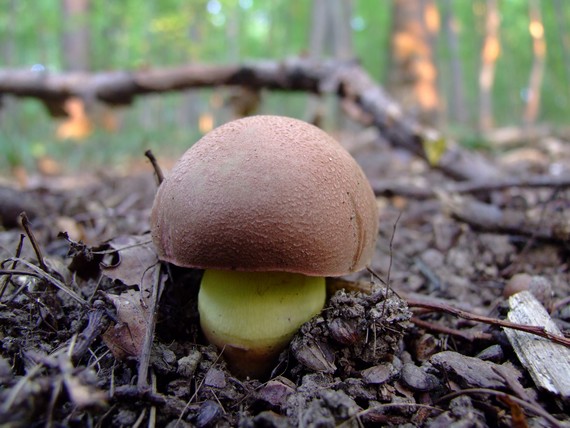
(489, 55)
(457, 102)
(330, 35)
(536, 29)
(412, 77)
(75, 37)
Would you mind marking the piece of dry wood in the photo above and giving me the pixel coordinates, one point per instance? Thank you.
(347, 79)
(490, 218)
(547, 362)
(405, 188)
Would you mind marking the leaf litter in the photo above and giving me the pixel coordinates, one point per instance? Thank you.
(105, 335)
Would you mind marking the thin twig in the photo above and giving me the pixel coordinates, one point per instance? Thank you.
(27, 228)
(390, 405)
(156, 166)
(119, 249)
(392, 248)
(49, 278)
(469, 336)
(537, 330)
(152, 413)
(142, 382)
(14, 264)
(97, 323)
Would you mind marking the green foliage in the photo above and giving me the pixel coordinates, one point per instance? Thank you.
(131, 34)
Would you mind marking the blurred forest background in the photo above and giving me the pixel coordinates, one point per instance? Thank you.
(479, 70)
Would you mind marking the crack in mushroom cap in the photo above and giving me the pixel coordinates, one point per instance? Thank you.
(266, 193)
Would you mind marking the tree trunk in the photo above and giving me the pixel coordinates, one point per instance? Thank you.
(330, 35)
(489, 55)
(341, 11)
(458, 104)
(412, 78)
(536, 29)
(564, 36)
(75, 41)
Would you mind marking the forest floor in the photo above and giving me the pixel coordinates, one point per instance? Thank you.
(76, 312)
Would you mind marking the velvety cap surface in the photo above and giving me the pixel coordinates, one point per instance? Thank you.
(266, 193)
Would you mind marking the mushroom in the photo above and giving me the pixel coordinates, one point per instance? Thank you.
(268, 206)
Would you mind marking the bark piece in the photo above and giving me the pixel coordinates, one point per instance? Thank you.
(470, 372)
(491, 218)
(548, 363)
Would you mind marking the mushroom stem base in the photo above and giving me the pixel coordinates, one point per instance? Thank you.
(252, 316)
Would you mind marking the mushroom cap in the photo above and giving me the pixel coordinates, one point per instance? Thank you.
(266, 193)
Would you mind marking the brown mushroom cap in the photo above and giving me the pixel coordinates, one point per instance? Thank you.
(266, 193)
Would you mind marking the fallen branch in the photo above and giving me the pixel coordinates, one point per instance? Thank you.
(395, 187)
(547, 363)
(369, 102)
(490, 218)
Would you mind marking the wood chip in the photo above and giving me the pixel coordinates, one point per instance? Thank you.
(548, 363)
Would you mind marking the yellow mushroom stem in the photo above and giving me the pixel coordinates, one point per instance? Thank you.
(252, 316)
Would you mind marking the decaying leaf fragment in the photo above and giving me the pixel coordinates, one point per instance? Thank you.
(125, 339)
(136, 265)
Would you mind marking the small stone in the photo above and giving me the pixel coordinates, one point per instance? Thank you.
(274, 394)
(341, 405)
(433, 258)
(215, 378)
(519, 282)
(493, 353)
(356, 389)
(179, 388)
(187, 365)
(418, 380)
(539, 286)
(208, 414)
(268, 419)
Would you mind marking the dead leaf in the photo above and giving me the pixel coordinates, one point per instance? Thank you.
(137, 262)
(125, 339)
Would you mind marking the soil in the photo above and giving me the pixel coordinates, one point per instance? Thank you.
(79, 312)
